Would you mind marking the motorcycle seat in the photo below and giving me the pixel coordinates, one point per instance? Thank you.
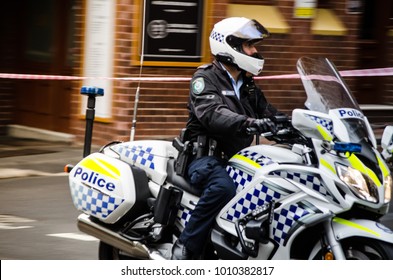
(179, 181)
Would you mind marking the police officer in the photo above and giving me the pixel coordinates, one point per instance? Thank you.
(224, 102)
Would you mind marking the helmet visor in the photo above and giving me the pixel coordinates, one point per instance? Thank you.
(252, 30)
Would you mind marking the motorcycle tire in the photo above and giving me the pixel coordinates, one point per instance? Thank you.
(108, 252)
(359, 249)
(367, 249)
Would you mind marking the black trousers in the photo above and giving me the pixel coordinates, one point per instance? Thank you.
(209, 174)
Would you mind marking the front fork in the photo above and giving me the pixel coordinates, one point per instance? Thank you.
(332, 244)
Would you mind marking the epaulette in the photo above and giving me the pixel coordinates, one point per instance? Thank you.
(205, 66)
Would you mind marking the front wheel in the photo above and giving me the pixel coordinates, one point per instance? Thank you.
(367, 249)
(108, 252)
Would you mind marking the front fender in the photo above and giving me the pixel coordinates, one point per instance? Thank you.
(363, 228)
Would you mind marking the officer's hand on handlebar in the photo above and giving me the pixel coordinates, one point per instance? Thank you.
(264, 125)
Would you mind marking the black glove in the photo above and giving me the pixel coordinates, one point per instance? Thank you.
(264, 125)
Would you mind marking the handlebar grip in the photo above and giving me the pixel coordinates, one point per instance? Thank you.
(251, 131)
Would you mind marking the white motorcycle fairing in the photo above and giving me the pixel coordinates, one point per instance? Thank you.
(362, 228)
(316, 194)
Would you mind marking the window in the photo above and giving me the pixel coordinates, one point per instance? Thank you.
(174, 33)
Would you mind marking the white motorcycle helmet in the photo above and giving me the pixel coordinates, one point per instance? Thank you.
(226, 41)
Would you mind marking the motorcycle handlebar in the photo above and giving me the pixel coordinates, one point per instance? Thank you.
(254, 131)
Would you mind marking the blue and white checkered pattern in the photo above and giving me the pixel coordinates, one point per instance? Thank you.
(311, 181)
(94, 202)
(326, 123)
(240, 177)
(217, 36)
(257, 196)
(284, 220)
(258, 158)
(138, 154)
(184, 215)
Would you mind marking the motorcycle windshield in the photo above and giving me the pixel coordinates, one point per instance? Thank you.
(326, 90)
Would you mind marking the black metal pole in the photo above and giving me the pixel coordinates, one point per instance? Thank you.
(91, 93)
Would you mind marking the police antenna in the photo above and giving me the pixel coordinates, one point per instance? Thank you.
(133, 126)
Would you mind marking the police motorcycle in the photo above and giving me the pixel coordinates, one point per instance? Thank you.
(319, 193)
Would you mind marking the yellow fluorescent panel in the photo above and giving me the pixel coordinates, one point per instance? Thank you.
(327, 23)
(269, 16)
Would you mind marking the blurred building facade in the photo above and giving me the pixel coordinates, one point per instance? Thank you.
(50, 37)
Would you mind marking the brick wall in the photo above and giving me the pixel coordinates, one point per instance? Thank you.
(162, 106)
(388, 97)
(8, 59)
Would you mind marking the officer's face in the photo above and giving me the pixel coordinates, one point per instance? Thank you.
(249, 48)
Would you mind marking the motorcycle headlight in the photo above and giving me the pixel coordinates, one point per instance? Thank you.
(388, 188)
(360, 184)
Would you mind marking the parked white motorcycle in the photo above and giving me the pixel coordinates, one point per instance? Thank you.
(317, 194)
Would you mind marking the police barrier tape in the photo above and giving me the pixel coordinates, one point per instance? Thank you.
(375, 72)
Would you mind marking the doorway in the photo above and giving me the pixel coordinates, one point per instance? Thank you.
(377, 19)
(45, 47)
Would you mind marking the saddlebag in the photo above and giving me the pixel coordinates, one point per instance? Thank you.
(108, 189)
(167, 205)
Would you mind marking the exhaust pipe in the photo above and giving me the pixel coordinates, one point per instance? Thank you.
(134, 248)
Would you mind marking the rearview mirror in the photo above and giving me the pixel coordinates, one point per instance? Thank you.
(387, 143)
(387, 135)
